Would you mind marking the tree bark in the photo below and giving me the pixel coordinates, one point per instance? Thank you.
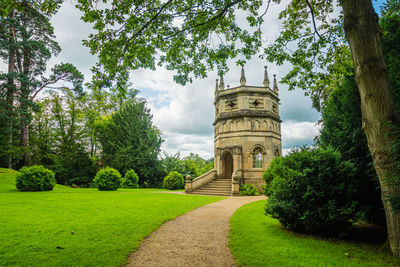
(378, 111)
(24, 103)
(10, 92)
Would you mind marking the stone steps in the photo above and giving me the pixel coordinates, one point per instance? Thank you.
(218, 187)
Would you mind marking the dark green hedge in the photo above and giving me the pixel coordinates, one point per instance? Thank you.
(311, 191)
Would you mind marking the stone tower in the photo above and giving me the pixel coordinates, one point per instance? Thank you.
(247, 130)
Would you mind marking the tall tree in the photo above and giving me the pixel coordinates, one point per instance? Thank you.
(27, 43)
(131, 141)
(180, 35)
(341, 120)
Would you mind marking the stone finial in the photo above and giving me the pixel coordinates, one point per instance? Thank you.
(188, 178)
(275, 84)
(242, 77)
(266, 79)
(221, 83)
(216, 85)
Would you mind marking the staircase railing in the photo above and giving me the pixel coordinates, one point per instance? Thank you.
(199, 181)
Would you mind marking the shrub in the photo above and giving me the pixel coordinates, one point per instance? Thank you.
(311, 192)
(131, 179)
(173, 180)
(108, 179)
(35, 178)
(248, 190)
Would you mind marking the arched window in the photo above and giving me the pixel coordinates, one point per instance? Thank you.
(257, 157)
(276, 153)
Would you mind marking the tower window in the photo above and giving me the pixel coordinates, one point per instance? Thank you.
(257, 157)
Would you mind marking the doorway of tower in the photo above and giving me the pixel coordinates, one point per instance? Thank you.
(227, 165)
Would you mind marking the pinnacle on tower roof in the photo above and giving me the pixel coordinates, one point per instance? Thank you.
(216, 85)
(221, 83)
(242, 77)
(275, 84)
(266, 79)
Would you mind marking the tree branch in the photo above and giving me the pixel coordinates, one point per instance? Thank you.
(46, 84)
(313, 17)
(145, 25)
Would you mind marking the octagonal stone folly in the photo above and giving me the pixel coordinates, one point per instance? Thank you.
(247, 135)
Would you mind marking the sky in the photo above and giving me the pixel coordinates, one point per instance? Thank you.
(185, 114)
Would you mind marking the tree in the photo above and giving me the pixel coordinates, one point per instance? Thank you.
(179, 35)
(341, 118)
(27, 43)
(131, 141)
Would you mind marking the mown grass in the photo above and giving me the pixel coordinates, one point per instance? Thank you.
(81, 227)
(259, 240)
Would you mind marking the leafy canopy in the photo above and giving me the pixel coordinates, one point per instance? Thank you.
(187, 36)
(193, 37)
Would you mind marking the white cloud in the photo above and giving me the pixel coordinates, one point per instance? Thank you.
(298, 133)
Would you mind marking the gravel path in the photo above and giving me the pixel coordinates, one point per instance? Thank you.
(198, 238)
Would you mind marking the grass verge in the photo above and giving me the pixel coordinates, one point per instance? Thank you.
(259, 240)
(81, 227)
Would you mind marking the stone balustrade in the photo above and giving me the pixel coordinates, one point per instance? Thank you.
(200, 181)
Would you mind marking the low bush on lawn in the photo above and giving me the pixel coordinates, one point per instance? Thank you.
(108, 179)
(35, 178)
(131, 179)
(311, 191)
(248, 190)
(174, 180)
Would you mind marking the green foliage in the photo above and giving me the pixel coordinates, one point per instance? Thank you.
(259, 240)
(192, 165)
(390, 27)
(27, 38)
(173, 180)
(274, 170)
(316, 193)
(108, 179)
(35, 178)
(342, 130)
(248, 190)
(131, 141)
(59, 139)
(131, 179)
(176, 34)
(319, 54)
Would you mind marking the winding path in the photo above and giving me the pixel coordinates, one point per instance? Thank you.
(197, 238)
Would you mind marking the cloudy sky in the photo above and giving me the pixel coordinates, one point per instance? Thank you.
(185, 114)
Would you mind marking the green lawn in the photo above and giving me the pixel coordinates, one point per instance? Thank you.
(258, 240)
(81, 227)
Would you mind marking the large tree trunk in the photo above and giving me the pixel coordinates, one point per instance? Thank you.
(10, 93)
(377, 107)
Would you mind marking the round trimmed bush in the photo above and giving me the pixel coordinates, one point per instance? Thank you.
(35, 178)
(248, 190)
(108, 179)
(312, 191)
(131, 179)
(174, 180)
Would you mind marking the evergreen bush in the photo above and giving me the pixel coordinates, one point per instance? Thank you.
(35, 178)
(248, 190)
(131, 179)
(108, 179)
(174, 180)
(312, 192)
